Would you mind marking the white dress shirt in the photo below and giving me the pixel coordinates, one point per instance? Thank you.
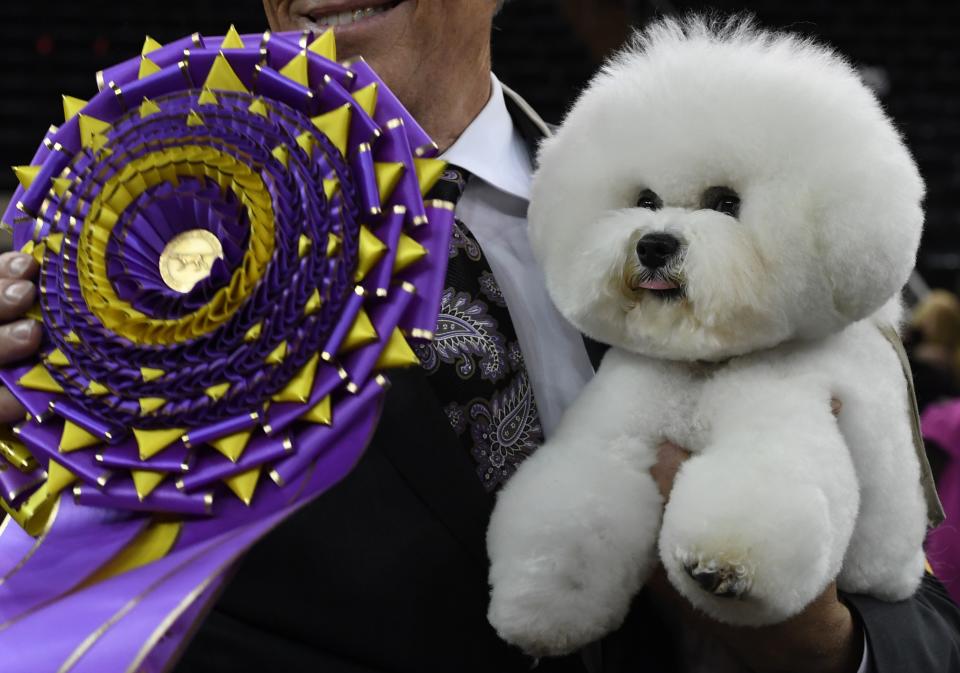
(494, 208)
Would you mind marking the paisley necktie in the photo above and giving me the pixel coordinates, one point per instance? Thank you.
(475, 363)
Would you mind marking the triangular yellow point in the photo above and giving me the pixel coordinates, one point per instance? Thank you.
(58, 478)
(54, 242)
(428, 172)
(333, 244)
(72, 338)
(28, 248)
(388, 175)
(258, 107)
(218, 391)
(149, 44)
(39, 378)
(408, 252)
(57, 359)
(149, 374)
(362, 333)
(152, 442)
(244, 484)
(303, 247)
(96, 389)
(222, 77)
(330, 188)
(38, 252)
(282, 154)
(278, 354)
(322, 413)
(72, 106)
(301, 385)
(147, 68)
(253, 333)
(313, 303)
(148, 404)
(296, 69)
(26, 174)
(372, 250)
(367, 98)
(74, 437)
(232, 39)
(232, 446)
(145, 482)
(336, 126)
(91, 131)
(397, 353)
(325, 45)
(148, 107)
(60, 186)
(207, 97)
(305, 141)
(194, 119)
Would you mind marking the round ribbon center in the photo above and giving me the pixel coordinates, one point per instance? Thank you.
(188, 259)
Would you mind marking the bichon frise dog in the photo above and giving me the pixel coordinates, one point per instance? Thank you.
(734, 213)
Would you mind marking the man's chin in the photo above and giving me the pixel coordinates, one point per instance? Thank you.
(367, 35)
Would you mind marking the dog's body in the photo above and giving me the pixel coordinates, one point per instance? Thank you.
(742, 265)
(772, 491)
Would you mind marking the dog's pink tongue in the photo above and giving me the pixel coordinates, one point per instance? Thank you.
(658, 284)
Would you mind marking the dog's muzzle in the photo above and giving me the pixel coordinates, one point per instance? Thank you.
(655, 250)
(660, 256)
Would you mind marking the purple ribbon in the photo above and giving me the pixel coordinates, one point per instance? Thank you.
(138, 379)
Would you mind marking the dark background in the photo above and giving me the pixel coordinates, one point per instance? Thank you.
(546, 49)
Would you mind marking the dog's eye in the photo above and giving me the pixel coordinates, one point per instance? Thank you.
(649, 200)
(723, 200)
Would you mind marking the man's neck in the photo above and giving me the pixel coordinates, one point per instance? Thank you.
(454, 99)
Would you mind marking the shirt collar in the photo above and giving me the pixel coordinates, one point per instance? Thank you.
(491, 148)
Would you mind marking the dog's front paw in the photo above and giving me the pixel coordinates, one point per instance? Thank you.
(746, 564)
(747, 584)
(725, 579)
(555, 611)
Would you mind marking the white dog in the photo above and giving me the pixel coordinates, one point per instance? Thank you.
(734, 213)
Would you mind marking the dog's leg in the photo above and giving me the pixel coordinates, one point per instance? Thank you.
(574, 532)
(885, 557)
(756, 525)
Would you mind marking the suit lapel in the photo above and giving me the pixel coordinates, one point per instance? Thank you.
(417, 439)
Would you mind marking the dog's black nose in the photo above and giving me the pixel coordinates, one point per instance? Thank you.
(655, 249)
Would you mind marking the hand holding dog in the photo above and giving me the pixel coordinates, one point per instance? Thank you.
(821, 638)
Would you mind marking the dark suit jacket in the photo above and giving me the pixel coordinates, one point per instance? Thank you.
(388, 572)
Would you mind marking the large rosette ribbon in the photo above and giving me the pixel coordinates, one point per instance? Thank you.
(234, 243)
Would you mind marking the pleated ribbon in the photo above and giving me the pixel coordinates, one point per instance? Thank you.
(234, 246)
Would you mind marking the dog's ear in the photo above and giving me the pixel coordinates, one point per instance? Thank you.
(870, 226)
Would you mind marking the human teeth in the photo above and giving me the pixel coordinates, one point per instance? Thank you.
(352, 16)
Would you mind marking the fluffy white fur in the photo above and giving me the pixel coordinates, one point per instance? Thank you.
(784, 300)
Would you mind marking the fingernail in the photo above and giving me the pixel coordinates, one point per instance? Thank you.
(16, 292)
(20, 264)
(22, 330)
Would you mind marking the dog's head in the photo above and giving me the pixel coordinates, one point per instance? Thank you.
(717, 190)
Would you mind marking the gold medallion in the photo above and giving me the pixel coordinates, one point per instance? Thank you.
(188, 259)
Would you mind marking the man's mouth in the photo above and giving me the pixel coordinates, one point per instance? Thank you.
(348, 17)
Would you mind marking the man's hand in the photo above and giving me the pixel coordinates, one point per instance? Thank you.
(822, 638)
(18, 338)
